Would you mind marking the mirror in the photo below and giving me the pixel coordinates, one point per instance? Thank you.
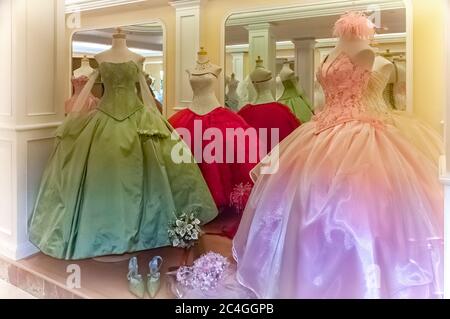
(144, 39)
(299, 38)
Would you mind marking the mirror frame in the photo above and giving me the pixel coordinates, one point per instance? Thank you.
(317, 9)
(108, 26)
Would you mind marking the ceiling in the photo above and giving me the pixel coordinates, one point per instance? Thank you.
(145, 38)
(393, 21)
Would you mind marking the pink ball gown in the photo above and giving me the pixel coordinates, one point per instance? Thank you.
(354, 211)
(78, 85)
(270, 116)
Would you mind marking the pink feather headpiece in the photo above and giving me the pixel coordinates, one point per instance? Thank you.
(354, 25)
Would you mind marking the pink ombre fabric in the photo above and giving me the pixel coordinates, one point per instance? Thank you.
(78, 85)
(354, 211)
(354, 25)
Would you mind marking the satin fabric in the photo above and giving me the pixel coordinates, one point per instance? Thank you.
(418, 133)
(298, 104)
(222, 178)
(270, 116)
(355, 211)
(110, 186)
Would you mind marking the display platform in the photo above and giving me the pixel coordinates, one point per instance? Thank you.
(45, 277)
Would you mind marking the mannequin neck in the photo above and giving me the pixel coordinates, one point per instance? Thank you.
(85, 64)
(204, 100)
(264, 93)
(119, 44)
(352, 44)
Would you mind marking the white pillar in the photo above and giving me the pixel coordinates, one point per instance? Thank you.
(304, 65)
(238, 65)
(187, 46)
(31, 107)
(262, 43)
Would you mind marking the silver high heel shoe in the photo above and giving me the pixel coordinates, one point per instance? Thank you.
(154, 277)
(136, 284)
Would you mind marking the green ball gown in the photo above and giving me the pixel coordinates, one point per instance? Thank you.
(111, 186)
(295, 100)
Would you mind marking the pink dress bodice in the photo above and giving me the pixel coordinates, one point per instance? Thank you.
(344, 84)
(78, 85)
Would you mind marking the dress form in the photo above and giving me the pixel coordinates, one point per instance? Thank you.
(287, 73)
(359, 51)
(84, 70)
(232, 98)
(119, 52)
(262, 81)
(203, 79)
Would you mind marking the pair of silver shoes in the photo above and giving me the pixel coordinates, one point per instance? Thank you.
(136, 283)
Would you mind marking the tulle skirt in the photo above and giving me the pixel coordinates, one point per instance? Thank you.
(425, 138)
(353, 212)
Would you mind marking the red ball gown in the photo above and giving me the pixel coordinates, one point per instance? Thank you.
(229, 181)
(270, 116)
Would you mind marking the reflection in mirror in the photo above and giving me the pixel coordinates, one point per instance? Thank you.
(144, 39)
(294, 48)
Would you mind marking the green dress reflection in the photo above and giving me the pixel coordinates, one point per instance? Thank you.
(298, 104)
(111, 186)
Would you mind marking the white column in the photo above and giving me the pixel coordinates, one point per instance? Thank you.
(304, 65)
(238, 65)
(31, 107)
(262, 43)
(187, 46)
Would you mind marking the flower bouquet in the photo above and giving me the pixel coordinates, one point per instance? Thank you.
(185, 232)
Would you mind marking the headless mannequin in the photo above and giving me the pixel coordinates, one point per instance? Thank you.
(232, 86)
(119, 52)
(203, 79)
(358, 50)
(84, 70)
(287, 73)
(262, 81)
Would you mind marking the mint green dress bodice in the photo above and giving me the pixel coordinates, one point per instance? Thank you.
(110, 186)
(295, 100)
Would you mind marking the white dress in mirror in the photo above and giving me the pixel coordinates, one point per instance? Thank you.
(231, 97)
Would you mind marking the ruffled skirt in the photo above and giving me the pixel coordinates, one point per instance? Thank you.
(353, 212)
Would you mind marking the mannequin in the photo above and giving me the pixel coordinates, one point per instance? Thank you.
(79, 80)
(203, 78)
(119, 51)
(359, 50)
(85, 69)
(121, 187)
(287, 73)
(232, 98)
(228, 180)
(262, 81)
(293, 95)
(265, 114)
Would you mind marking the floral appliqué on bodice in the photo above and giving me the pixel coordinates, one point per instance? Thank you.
(344, 84)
